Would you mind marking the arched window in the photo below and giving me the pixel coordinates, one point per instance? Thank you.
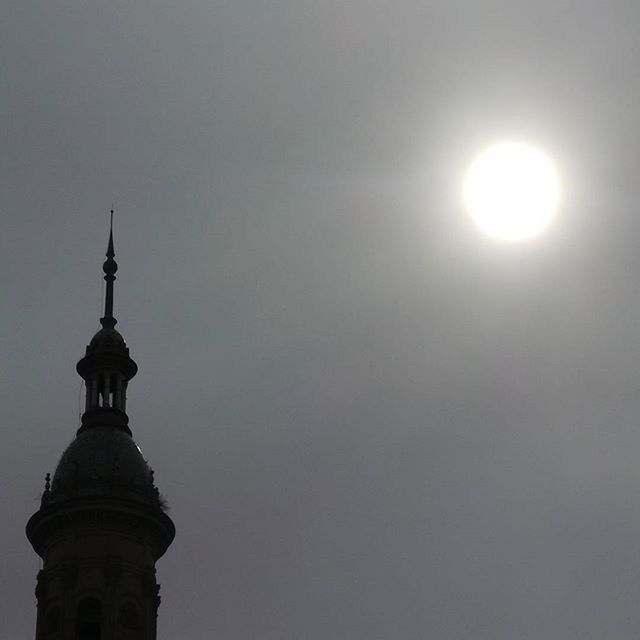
(113, 391)
(89, 620)
(102, 400)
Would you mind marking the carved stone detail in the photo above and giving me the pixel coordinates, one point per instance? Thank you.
(42, 585)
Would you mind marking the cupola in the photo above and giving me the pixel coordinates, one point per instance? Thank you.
(107, 367)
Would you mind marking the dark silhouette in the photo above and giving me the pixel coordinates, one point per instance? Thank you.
(101, 525)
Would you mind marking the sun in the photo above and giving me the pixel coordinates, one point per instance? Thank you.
(512, 191)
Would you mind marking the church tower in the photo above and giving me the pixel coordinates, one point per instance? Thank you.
(101, 524)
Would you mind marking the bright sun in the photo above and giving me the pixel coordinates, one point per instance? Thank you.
(512, 191)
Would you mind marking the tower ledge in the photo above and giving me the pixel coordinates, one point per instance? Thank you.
(85, 516)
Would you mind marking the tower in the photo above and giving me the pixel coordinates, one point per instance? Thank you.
(101, 524)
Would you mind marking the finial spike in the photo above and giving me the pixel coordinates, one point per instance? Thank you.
(110, 251)
(109, 267)
(47, 490)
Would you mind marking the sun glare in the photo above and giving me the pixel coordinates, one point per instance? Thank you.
(512, 191)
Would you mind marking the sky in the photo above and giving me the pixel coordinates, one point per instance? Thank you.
(370, 420)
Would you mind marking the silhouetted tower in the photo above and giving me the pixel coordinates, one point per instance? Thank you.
(101, 525)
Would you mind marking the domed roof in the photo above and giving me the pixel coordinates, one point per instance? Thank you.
(107, 339)
(107, 350)
(103, 462)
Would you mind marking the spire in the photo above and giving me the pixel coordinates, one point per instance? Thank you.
(109, 267)
(107, 367)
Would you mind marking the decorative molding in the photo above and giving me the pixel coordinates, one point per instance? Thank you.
(48, 524)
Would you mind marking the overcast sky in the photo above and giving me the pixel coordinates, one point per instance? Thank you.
(370, 421)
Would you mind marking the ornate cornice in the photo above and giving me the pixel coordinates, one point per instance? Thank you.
(52, 522)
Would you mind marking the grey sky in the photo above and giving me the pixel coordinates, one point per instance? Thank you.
(369, 421)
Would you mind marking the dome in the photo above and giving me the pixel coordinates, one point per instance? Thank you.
(107, 350)
(107, 339)
(103, 462)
